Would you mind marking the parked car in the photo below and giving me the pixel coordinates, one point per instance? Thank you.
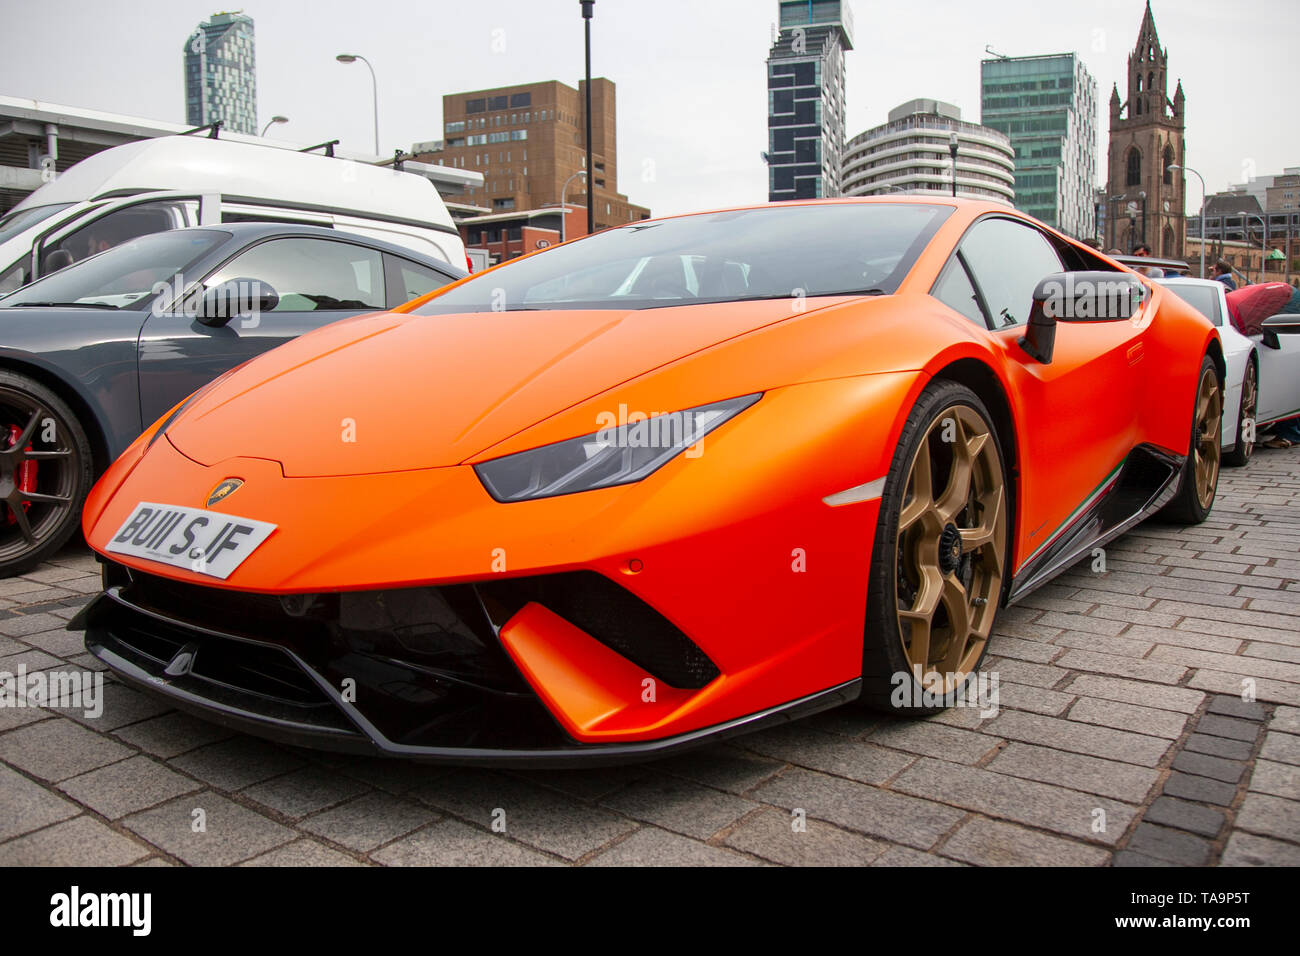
(672, 481)
(1244, 385)
(91, 354)
(176, 181)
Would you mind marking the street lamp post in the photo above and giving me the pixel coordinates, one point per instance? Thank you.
(564, 203)
(274, 121)
(374, 87)
(952, 149)
(587, 11)
(1202, 179)
(1263, 241)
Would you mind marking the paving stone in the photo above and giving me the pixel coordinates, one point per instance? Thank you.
(172, 734)
(654, 847)
(1236, 707)
(57, 749)
(1012, 798)
(1015, 648)
(722, 767)
(233, 832)
(1146, 669)
(1025, 672)
(1201, 789)
(898, 818)
(903, 856)
(1182, 815)
(1175, 846)
(1284, 748)
(80, 842)
(993, 843)
(1178, 699)
(120, 706)
(1076, 771)
(1143, 720)
(1247, 849)
(1081, 622)
(28, 660)
(1119, 646)
(1036, 700)
(1231, 727)
(1080, 738)
(11, 717)
(236, 763)
(1229, 771)
(1272, 816)
(1134, 858)
(1261, 687)
(26, 624)
(1278, 779)
(57, 641)
(1286, 720)
(1235, 663)
(850, 758)
(127, 786)
(679, 805)
(26, 806)
(369, 821)
(770, 834)
(934, 740)
(589, 785)
(305, 791)
(534, 815)
(302, 853)
(1219, 747)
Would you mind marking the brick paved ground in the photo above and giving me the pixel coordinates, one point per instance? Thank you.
(1122, 738)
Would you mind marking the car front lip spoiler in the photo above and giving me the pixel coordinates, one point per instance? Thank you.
(366, 739)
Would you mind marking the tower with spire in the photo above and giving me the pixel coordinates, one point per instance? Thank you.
(1146, 197)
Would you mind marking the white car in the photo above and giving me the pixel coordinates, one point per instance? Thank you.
(1252, 380)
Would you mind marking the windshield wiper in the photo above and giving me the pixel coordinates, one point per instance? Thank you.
(61, 305)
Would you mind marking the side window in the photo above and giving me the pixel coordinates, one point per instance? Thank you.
(954, 290)
(117, 227)
(416, 280)
(312, 275)
(1008, 259)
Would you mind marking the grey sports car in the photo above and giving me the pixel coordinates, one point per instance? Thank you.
(91, 355)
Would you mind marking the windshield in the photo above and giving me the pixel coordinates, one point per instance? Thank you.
(1204, 299)
(123, 275)
(23, 219)
(764, 253)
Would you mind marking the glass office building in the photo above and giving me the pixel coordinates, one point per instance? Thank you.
(220, 76)
(1047, 105)
(805, 99)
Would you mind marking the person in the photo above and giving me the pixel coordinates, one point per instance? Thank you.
(1114, 252)
(1223, 273)
(1142, 249)
(1286, 433)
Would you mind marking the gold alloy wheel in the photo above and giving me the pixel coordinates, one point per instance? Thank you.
(1209, 425)
(951, 548)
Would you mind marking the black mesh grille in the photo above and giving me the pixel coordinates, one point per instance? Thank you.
(612, 615)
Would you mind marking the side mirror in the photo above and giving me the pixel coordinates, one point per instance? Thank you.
(1273, 326)
(1078, 297)
(235, 298)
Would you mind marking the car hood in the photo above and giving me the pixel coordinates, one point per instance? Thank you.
(392, 392)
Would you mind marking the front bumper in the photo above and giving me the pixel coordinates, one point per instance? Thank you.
(348, 673)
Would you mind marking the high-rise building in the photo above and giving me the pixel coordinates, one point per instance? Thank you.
(220, 74)
(1047, 105)
(911, 154)
(1146, 137)
(529, 141)
(805, 99)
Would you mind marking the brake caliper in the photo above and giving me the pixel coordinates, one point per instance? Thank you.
(25, 476)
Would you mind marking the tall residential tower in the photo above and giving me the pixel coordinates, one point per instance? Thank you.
(805, 99)
(220, 75)
(1047, 105)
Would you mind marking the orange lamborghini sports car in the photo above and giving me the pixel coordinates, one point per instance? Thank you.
(666, 483)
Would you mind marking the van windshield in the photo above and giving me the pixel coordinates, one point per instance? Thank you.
(23, 219)
(768, 252)
(122, 276)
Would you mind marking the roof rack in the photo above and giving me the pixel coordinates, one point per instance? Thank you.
(327, 146)
(212, 129)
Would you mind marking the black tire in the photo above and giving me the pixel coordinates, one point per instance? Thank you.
(889, 678)
(1190, 504)
(1239, 455)
(36, 524)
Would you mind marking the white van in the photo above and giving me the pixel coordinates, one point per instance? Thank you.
(176, 181)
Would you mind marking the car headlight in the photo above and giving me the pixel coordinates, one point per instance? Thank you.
(622, 452)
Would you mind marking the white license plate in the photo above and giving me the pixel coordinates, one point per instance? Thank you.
(206, 542)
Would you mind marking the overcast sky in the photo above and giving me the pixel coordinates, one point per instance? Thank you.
(690, 77)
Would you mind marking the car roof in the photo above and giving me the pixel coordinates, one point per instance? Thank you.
(244, 232)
